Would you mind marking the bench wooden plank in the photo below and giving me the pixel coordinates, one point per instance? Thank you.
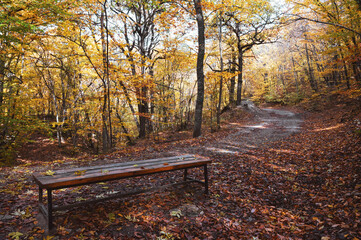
(65, 178)
(94, 174)
(48, 182)
(112, 167)
(125, 164)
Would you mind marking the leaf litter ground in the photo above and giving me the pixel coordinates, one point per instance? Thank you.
(268, 181)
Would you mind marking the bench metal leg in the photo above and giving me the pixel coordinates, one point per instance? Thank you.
(185, 174)
(205, 179)
(40, 196)
(50, 209)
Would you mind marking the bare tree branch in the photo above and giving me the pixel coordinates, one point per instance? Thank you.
(299, 18)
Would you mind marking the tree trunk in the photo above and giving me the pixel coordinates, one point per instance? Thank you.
(143, 110)
(143, 103)
(108, 80)
(129, 101)
(310, 71)
(221, 80)
(2, 79)
(105, 114)
(240, 75)
(59, 135)
(281, 69)
(233, 80)
(295, 75)
(357, 72)
(266, 84)
(134, 73)
(125, 130)
(151, 102)
(200, 74)
(356, 65)
(345, 71)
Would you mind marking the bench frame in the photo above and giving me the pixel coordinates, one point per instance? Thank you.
(48, 211)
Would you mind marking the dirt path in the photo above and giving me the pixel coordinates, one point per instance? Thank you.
(269, 125)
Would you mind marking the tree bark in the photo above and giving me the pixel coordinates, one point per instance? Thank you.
(221, 80)
(151, 102)
(125, 130)
(2, 79)
(295, 74)
(110, 139)
(143, 104)
(129, 101)
(233, 80)
(357, 72)
(240, 75)
(310, 71)
(106, 138)
(345, 71)
(200, 74)
(143, 110)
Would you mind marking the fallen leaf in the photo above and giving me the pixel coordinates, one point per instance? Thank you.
(15, 235)
(80, 173)
(49, 173)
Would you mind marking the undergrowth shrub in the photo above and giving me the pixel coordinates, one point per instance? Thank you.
(14, 132)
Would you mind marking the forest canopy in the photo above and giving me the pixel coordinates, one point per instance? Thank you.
(101, 73)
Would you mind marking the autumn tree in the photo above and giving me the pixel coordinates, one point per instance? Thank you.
(174, 87)
(217, 23)
(141, 37)
(358, 3)
(91, 34)
(200, 68)
(21, 23)
(341, 21)
(250, 23)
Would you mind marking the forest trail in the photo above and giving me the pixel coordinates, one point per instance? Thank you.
(265, 183)
(268, 125)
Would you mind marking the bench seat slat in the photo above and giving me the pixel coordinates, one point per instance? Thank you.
(125, 164)
(62, 179)
(113, 167)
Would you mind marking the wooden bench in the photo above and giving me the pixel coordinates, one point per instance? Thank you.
(95, 174)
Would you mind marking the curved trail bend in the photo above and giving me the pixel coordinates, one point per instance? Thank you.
(269, 125)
